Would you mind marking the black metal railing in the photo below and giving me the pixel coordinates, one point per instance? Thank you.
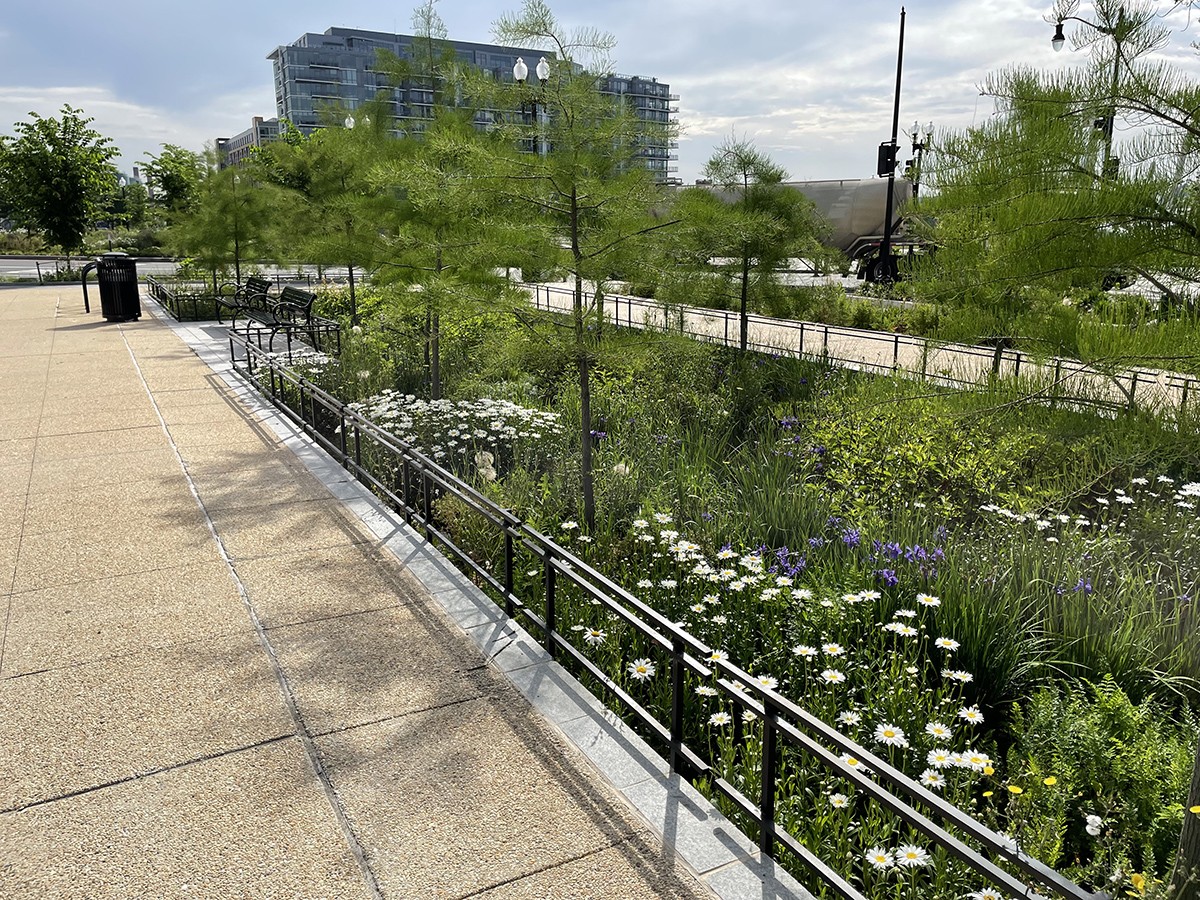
(416, 485)
(949, 364)
(186, 301)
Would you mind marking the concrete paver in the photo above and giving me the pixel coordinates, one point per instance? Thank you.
(76, 728)
(247, 695)
(251, 825)
(93, 620)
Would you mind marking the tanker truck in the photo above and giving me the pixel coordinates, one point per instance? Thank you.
(855, 209)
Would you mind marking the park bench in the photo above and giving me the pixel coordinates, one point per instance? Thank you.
(244, 299)
(288, 314)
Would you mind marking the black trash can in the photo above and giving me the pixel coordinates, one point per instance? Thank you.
(117, 276)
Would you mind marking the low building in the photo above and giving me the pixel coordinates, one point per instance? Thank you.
(235, 150)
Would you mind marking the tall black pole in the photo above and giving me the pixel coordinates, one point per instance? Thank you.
(885, 251)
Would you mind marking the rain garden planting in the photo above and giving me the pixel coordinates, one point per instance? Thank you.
(996, 598)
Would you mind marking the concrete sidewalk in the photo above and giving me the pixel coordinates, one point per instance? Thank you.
(217, 681)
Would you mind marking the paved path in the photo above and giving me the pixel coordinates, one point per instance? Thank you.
(215, 682)
(955, 365)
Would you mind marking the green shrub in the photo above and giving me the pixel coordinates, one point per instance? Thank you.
(1128, 764)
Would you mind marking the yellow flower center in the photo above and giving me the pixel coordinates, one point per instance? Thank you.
(1050, 782)
(1016, 790)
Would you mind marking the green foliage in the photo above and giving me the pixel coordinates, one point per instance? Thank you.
(742, 231)
(1043, 194)
(1127, 763)
(175, 176)
(229, 222)
(55, 175)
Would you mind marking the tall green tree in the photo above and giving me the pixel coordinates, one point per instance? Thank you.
(57, 173)
(582, 200)
(229, 221)
(332, 212)
(1079, 174)
(446, 248)
(749, 225)
(174, 177)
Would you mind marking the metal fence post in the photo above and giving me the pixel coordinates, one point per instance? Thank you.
(770, 763)
(801, 352)
(550, 615)
(1133, 382)
(1054, 387)
(508, 572)
(676, 702)
(1017, 365)
(426, 505)
(896, 352)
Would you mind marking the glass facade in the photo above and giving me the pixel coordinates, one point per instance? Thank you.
(325, 70)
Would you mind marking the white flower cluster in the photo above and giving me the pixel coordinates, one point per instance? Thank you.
(439, 428)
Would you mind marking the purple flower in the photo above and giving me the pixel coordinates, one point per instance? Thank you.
(886, 577)
(852, 537)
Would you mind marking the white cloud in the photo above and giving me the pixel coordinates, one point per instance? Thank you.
(136, 128)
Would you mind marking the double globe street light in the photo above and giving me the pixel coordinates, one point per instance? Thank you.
(520, 73)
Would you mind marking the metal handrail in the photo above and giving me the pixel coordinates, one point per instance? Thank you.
(999, 358)
(421, 478)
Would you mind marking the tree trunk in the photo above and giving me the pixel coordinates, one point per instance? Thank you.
(585, 396)
(744, 339)
(435, 358)
(585, 415)
(426, 334)
(599, 312)
(1186, 877)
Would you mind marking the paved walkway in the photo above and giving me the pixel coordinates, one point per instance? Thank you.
(217, 682)
(953, 365)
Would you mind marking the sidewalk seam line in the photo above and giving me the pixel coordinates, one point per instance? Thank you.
(310, 748)
(28, 488)
(140, 775)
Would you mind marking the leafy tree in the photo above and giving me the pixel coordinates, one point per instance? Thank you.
(174, 176)
(432, 67)
(56, 174)
(748, 229)
(446, 248)
(583, 200)
(332, 213)
(229, 220)
(1042, 193)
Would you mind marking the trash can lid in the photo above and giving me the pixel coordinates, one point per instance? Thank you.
(114, 254)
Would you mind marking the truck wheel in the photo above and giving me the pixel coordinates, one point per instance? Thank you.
(881, 269)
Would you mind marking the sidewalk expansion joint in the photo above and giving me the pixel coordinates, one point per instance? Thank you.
(538, 871)
(25, 510)
(266, 742)
(396, 718)
(311, 753)
(126, 654)
(299, 623)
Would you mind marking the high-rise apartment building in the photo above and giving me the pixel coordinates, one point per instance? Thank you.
(338, 68)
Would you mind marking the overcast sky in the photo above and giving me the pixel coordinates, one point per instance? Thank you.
(809, 82)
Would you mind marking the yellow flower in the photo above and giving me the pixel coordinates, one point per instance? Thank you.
(1195, 809)
(1139, 883)
(987, 793)
(1050, 782)
(988, 770)
(1016, 790)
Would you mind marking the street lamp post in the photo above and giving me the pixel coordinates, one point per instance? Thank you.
(885, 268)
(920, 143)
(520, 73)
(1118, 32)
